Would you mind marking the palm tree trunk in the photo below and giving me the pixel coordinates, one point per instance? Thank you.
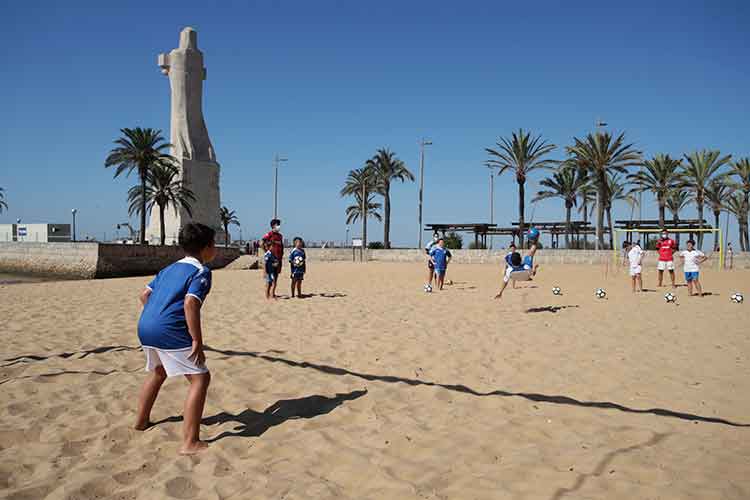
(675, 220)
(662, 209)
(226, 235)
(387, 216)
(585, 222)
(699, 203)
(568, 228)
(162, 229)
(143, 208)
(717, 222)
(521, 205)
(600, 195)
(745, 214)
(611, 226)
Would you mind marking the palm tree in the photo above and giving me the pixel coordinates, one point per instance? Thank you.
(616, 191)
(163, 188)
(360, 183)
(741, 169)
(677, 200)
(717, 193)
(700, 168)
(227, 218)
(520, 154)
(564, 184)
(737, 206)
(140, 150)
(354, 212)
(659, 175)
(3, 204)
(587, 195)
(601, 153)
(388, 168)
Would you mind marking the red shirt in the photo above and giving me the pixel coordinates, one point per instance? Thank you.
(666, 249)
(277, 247)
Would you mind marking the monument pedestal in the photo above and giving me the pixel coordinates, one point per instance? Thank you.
(202, 178)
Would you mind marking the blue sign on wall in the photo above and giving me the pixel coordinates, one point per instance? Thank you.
(21, 231)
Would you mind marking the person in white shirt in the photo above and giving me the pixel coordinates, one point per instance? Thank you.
(692, 259)
(634, 255)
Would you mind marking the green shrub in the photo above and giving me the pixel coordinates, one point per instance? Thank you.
(477, 246)
(375, 245)
(453, 241)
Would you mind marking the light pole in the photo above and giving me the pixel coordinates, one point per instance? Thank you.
(492, 199)
(74, 211)
(346, 240)
(276, 161)
(422, 144)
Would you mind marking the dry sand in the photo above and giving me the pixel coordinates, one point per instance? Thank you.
(373, 389)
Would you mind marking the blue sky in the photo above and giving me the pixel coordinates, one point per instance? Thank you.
(327, 83)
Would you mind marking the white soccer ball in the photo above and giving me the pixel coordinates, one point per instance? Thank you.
(298, 261)
(556, 290)
(737, 298)
(670, 297)
(428, 288)
(600, 293)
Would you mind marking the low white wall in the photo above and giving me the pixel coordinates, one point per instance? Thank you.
(544, 256)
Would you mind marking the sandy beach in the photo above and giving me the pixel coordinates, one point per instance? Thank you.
(372, 389)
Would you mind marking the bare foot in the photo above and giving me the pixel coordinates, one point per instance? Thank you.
(193, 448)
(140, 426)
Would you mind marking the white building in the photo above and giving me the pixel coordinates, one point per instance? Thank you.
(35, 233)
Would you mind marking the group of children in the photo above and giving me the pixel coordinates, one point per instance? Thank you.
(666, 247)
(170, 331)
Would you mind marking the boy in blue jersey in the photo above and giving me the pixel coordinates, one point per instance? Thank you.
(298, 264)
(518, 263)
(170, 332)
(271, 266)
(440, 257)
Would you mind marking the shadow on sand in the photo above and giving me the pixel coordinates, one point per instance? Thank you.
(251, 423)
(333, 370)
(551, 309)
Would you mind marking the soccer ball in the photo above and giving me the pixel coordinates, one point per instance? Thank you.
(298, 261)
(600, 293)
(556, 290)
(533, 234)
(428, 288)
(670, 297)
(737, 298)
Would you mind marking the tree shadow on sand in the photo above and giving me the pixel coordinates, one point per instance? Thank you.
(251, 423)
(540, 398)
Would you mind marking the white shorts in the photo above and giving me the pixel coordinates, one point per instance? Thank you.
(635, 270)
(174, 362)
(665, 264)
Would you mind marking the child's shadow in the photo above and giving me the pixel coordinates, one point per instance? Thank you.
(251, 423)
(327, 295)
(552, 309)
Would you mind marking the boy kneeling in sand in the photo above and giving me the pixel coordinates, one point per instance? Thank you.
(515, 264)
(170, 332)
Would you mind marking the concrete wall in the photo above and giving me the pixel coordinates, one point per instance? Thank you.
(94, 260)
(545, 256)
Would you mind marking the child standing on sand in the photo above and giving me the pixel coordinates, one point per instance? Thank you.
(170, 332)
(271, 267)
(692, 259)
(440, 257)
(298, 264)
(634, 255)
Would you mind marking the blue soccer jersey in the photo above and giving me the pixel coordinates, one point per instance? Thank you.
(162, 324)
(440, 256)
(295, 256)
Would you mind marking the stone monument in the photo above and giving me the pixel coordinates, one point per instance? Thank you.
(191, 145)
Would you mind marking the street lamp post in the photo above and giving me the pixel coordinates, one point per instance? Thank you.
(422, 144)
(276, 161)
(492, 200)
(74, 211)
(346, 240)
